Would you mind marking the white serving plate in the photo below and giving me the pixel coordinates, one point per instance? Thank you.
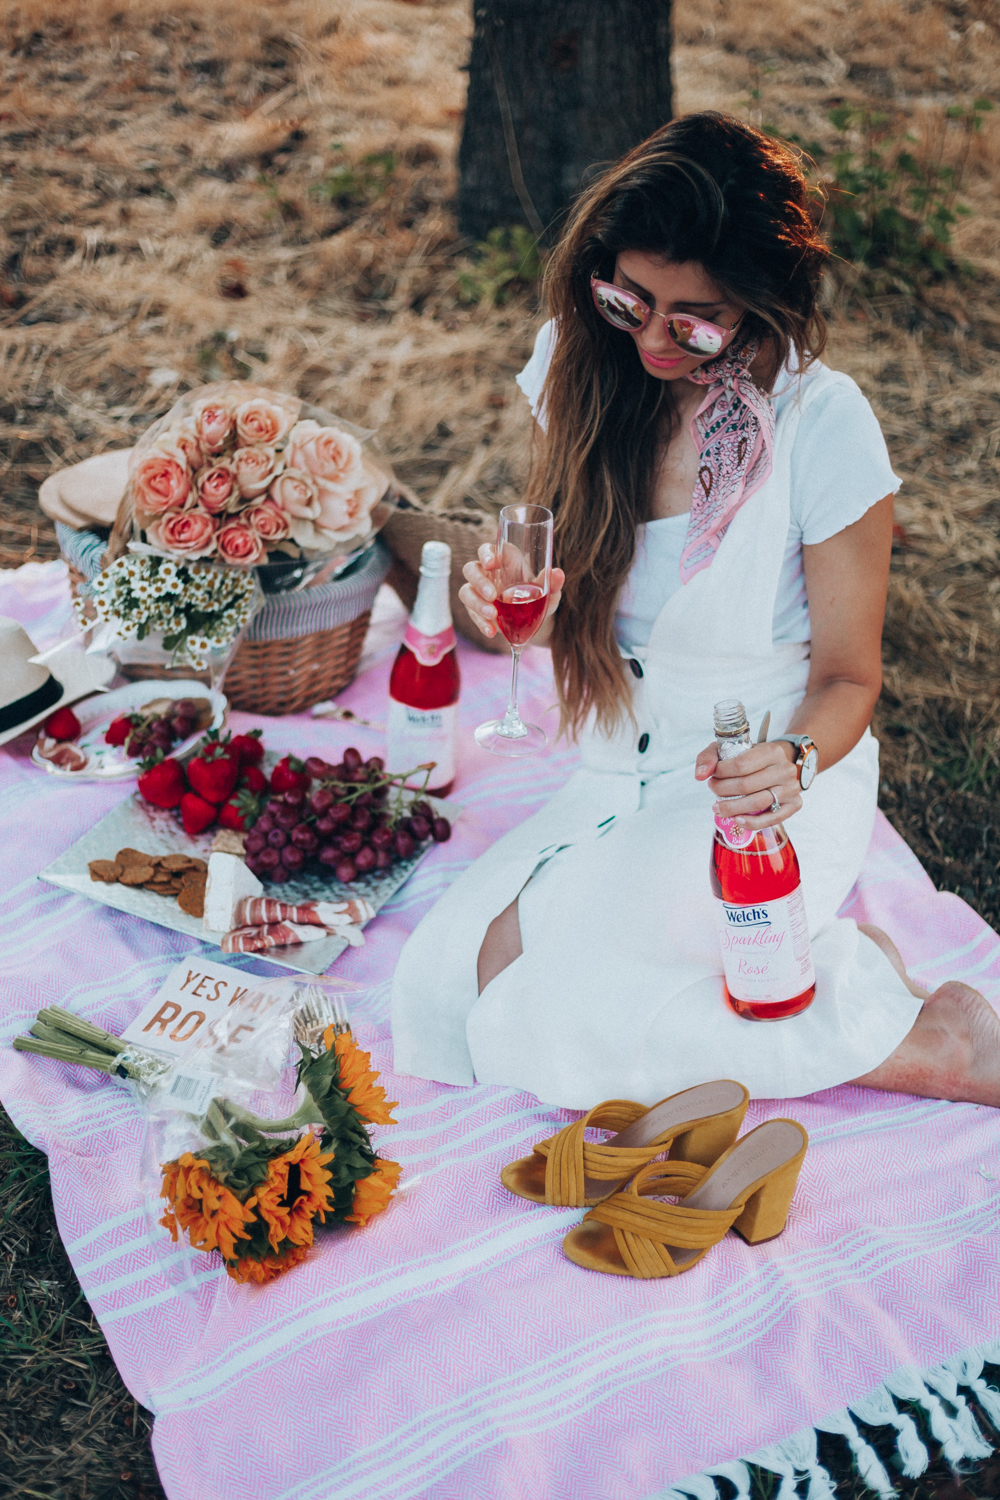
(109, 762)
(137, 825)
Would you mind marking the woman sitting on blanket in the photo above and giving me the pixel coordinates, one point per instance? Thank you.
(579, 958)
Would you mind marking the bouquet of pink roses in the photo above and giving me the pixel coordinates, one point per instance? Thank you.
(242, 475)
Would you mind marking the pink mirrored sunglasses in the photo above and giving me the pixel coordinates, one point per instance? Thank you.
(628, 312)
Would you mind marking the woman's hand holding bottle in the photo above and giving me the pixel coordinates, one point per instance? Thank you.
(479, 593)
(757, 779)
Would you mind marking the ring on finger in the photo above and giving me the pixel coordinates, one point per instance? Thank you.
(775, 804)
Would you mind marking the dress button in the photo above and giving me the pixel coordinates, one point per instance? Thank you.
(643, 743)
(634, 667)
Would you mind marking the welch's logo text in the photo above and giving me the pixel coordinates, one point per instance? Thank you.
(746, 916)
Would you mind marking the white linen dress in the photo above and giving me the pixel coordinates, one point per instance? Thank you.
(618, 992)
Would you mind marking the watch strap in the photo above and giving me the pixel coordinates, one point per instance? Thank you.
(792, 739)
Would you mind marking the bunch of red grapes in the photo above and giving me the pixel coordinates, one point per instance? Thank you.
(144, 734)
(338, 817)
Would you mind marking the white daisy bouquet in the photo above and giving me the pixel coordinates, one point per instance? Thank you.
(240, 475)
(194, 611)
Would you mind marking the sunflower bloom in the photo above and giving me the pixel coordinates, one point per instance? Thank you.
(260, 1272)
(372, 1194)
(357, 1080)
(296, 1192)
(211, 1216)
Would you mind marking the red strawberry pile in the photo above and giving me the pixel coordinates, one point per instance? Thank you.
(341, 817)
(350, 818)
(222, 784)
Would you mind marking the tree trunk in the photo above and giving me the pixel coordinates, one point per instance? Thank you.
(556, 87)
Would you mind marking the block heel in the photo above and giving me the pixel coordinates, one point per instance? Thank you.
(705, 1143)
(766, 1213)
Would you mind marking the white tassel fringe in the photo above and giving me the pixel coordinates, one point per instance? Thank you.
(937, 1391)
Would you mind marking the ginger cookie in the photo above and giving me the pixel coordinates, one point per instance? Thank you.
(107, 870)
(192, 900)
(133, 857)
(136, 874)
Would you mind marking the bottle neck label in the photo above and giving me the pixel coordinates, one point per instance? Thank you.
(432, 608)
(429, 649)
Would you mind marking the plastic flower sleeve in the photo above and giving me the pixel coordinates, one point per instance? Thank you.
(250, 1154)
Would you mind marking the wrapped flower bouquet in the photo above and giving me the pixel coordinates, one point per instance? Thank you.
(239, 491)
(242, 475)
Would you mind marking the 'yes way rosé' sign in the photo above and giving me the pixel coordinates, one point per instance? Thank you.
(192, 1012)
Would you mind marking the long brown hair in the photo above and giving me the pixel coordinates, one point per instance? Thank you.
(705, 188)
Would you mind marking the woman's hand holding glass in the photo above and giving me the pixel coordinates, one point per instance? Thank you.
(479, 593)
(757, 779)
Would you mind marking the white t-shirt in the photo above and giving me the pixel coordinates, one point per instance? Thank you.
(839, 468)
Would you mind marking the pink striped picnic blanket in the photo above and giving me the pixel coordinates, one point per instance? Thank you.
(449, 1350)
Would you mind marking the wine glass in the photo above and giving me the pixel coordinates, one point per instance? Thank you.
(524, 548)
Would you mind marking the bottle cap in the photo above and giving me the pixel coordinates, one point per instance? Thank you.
(435, 560)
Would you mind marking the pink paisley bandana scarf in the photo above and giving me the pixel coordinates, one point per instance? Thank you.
(733, 430)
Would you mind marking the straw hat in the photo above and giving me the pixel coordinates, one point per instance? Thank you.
(29, 692)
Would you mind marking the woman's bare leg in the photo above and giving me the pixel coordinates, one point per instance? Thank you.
(501, 945)
(953, 1048)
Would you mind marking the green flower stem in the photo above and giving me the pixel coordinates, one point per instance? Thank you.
(94, 1036)
(306, 1114)
(68, 1052)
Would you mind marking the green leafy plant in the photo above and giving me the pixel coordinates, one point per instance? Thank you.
(354, 184)
(893, 204)
(506, 259)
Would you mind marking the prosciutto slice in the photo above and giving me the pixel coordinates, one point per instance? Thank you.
(332, 916)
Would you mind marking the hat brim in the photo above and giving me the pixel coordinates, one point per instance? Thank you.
(79, 674)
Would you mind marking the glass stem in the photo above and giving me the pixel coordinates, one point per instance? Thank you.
(512, 719)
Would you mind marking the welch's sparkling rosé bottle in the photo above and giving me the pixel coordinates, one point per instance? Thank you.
(765, 937)
(424, 684)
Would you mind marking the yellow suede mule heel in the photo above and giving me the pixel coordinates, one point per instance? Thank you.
(749, 1189)
(698, 1125)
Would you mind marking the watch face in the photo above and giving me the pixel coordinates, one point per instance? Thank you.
(807, 770)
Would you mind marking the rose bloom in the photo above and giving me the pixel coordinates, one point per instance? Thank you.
(295, 492)
(254, 469)
(183, 438)
(261, 421)
(191, 532)
(238, 544)
(217, 486)
(161, 482)
(268, 521)
(329, 456)
(343, 516)
(213, 422)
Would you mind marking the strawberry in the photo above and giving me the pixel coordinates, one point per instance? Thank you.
(162, 782)
(289, 773)
(252, 779)
(240, 812)
(196, 813)
(214, 771)
(249, 747)
(63, 724)
(119, 729)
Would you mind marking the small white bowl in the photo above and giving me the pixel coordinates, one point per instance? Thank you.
(108, 762)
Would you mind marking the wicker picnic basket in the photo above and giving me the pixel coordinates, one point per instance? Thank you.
(406, 531)
(300, 648)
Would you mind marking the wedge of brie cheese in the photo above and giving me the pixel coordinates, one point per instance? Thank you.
(229, 881)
